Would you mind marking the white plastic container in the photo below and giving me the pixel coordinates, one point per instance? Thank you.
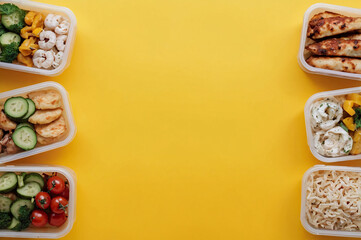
(309, 102)
(67, 136)
(311, 11)
(46, 232)
(304, 221)
(46, 8)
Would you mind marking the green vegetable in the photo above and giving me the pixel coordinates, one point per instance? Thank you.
(2, 29)
(357, 117)
(9, 53)
(24, 217)
(5, 220)
(343, 126)
(14, 22)
(8, 8)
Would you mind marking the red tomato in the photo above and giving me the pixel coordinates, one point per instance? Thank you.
(57, 219)
(56, 185)
(42, 200)
(39, 218)
(65, 193)
(59, 204)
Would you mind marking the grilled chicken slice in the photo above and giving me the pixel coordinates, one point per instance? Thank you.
(342, 64)
(325, 14)
(336, 47)
(332, 26)
(354, 36)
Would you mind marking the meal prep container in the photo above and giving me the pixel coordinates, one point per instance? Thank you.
(46, 232)
(304, 221)
(311, 11)
(46, 8)
(309, 102)
(71, 129)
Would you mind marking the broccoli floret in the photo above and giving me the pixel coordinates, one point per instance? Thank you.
(5, 220)
(24, 217)
(16, 28)
(9, 52)
(8, 8)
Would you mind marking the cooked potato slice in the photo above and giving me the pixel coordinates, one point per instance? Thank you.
(45, 116)
(46, 99)
(45, 141)
(51, 130)
(5, 123)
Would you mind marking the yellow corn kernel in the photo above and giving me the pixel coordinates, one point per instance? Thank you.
(355, 97)
(28, 46)
(349, 123)
(26, 32)
(27, 61)
(38, 21)
(37, 31)
(29, 18)
(347, 106)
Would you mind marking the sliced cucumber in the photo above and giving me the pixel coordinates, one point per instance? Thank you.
(5, 204)
(29, 190)
(18, 204)
(16, 107)
(15, 224)
(8, 38)
(31, 110)
(21, 179)
(34, 177)
(25, 138)
(13, 22)
(8, 182)
(20, 125)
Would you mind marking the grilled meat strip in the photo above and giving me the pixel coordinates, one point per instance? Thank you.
(343, 64)
(336, 47)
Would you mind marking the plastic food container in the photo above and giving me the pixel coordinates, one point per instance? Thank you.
(46, 8)
(311, 11)
(304, 221)
(309, 102)
(68, 135)
(46, 232)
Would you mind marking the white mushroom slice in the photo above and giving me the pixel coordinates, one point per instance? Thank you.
(333, 143)
(46, 99)
(45, 116)
(53, 129)
(5, 123)
(325, 113)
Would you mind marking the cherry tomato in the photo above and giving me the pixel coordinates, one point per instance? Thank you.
(59, 204)
(65, 193)
(56, 185)
(39, 218)
(57, 219)
(42, 200)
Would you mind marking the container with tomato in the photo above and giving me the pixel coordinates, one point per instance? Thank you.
(36, 201)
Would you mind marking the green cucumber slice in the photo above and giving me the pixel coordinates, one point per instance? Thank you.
(14, 225)
(31, 110)
(18, 204)
(20, 125)
(16, 107)
(29, 190)
(5, 204)
(25, 138)
(8, 38)
(34, 177)
(8, 182)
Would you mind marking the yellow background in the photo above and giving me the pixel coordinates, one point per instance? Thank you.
(190, 118)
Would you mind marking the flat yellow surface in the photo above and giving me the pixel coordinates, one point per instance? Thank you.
(189, 116)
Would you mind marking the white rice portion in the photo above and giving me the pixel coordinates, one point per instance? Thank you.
(333, 200)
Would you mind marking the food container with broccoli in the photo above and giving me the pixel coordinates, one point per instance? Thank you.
(36, 201)
(333, 125)
(35, 37)
(330, 202)
(331, 41)
(34, 119)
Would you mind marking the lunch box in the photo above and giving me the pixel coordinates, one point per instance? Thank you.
(311, 11)
(67, 136)
(304, 221)
(46, 232)
(309, 102)
(46, 8)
